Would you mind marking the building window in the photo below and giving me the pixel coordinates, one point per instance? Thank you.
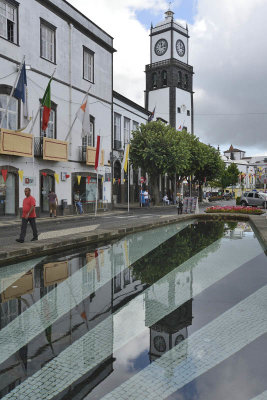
(48, 41)
(89, 140)
(88, 65)
(179, 110)
(51, 130)
(154, 80)
(186, 81)
(188, 113)
(164, 78)
(179, 81)
(117, 131)
(135, 125)
(11, 117)
(126, 130)
(8, 21)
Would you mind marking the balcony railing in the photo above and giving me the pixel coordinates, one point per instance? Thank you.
(51, 149)
(82, 153)
(15, 143)
(38, 147)
(170, 61)
(117, 145)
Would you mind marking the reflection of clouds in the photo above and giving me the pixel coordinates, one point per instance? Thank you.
(132, 351)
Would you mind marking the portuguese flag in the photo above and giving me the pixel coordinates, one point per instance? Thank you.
(46, 103)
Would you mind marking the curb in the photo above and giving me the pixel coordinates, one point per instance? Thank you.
(100, 235)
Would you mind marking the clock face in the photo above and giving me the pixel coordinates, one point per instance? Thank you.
(161, 47)
(159, 344)
(180, 48)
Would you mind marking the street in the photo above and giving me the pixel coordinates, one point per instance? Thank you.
(48, 228)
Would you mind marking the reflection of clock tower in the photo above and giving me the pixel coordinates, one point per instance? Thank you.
(169, 77)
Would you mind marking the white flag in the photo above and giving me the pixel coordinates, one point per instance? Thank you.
(84, 116)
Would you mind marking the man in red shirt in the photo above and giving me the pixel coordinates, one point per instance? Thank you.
(28, 215)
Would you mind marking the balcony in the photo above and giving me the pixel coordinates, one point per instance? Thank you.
(87, 155)
(117, 145)
(15, 143)
(51, 149)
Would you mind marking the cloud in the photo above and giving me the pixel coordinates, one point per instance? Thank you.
(227, 51)
(230, 64)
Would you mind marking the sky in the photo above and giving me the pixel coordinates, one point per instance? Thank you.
(227, 50)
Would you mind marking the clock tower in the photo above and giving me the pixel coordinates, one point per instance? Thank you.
(169, 77)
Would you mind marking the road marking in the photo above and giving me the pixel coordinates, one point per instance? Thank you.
(66, 232)
(203, 350)
(187, 280)
(75, 289)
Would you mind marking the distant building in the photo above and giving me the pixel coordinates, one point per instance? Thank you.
(253, 170)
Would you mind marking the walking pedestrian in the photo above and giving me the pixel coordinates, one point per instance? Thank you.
(28, 215)
(53, 202)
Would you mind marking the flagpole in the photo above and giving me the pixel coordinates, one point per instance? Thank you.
(12, 91)
(76, 115)
(96, 197)
(34, 121)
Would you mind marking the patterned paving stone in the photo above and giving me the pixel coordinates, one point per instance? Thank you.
(205, 349)
(36, 319)
(67, 232)
(189, 279)
(262, 396)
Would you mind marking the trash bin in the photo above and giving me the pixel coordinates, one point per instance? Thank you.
(64, 204)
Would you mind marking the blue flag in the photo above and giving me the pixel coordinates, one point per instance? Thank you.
(20, 90)
(151, 117)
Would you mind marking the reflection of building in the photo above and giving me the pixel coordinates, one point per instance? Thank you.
(170, 331)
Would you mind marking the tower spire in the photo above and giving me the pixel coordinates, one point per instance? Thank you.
(169, 13)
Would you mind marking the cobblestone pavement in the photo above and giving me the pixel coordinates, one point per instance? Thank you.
(193, 277)
(202, 351)
(74, 290)
(262, 396)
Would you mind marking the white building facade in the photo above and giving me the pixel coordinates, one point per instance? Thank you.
(59, 40)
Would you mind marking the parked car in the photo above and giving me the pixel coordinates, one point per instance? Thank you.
(255, 199)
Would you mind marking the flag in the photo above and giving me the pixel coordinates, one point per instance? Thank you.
(98, 150)
(125, 157)
(151, 117)
(21, 92)
(46, 103)
(84, 116)
(180, 128)
(56, 177)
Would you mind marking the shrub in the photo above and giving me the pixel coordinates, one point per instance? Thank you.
(234, 209)
(237, 202)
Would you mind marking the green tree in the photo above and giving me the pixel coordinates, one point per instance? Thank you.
(149, 150)
(211, 167)
(229, 176)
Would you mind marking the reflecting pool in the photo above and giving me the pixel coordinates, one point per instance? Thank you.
(177, 312)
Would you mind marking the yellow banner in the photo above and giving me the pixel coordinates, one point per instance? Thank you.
(56, 177)
(21, 173)
(79, 179)
(126, 156)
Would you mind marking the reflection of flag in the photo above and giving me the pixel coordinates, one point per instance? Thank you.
(20, 91)
(97, 266)
(151, 117)
(125, 157)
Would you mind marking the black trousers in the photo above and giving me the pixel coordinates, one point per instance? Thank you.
(24, 224)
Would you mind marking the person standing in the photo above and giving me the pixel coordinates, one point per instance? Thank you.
(53, 202)
(28, 215)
